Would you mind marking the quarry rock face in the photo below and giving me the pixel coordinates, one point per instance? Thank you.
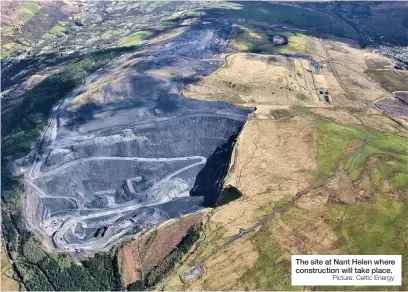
(127, 150)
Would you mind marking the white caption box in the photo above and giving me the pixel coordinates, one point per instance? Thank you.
(346, 270)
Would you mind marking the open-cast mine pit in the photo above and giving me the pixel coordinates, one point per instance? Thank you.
(127, 150)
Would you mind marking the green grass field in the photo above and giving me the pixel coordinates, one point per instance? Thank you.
(252, 39)
(380, 221)
(378, 228)
(332, 143)
(27, 10)
(135, 39)
(53, 32)
(391, 150)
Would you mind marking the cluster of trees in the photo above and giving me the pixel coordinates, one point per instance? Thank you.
(42, 271)
(39, 270)
(227, 195)
(162, 270)
(12, 189)
(136, 286)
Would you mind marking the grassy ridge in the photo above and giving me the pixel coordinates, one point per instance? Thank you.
(381, 222)
(390, 149)
(53, 31)
(135, 39)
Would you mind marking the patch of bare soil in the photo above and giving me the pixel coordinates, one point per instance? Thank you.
(353, 146)
(364, 189)
(148, 250)
(131, 264)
